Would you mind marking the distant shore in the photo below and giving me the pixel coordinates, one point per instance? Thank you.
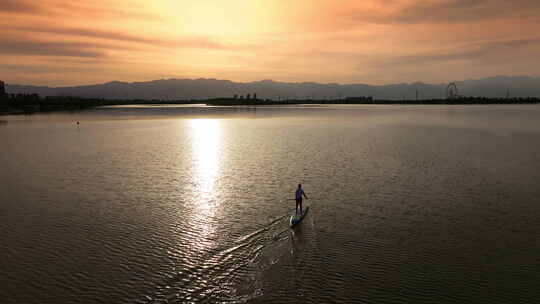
(368, 101)
(28, 104)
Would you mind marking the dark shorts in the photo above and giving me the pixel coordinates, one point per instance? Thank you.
(299, 200)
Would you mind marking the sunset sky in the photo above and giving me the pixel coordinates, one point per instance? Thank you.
(54, 42)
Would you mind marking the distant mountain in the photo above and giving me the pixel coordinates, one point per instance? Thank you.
(499, 86)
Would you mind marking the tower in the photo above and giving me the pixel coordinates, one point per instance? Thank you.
(2, 88)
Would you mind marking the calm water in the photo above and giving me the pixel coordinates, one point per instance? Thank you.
(409, 204)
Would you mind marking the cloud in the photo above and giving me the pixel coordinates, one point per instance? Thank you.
(18, 6)
(45, 69)
(101, 9)
(487, 52)
(69, 49)
(56, 8)
(457, 11)
(318, 40)
(191, 42)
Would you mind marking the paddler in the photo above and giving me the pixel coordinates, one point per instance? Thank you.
(298, 197)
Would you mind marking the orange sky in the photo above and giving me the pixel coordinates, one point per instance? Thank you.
(53, 42)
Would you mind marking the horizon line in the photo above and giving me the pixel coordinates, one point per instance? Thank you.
(276, 81)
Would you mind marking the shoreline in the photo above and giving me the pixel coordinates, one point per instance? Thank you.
(30, 104)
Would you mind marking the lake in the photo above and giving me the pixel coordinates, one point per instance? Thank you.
(175, 204)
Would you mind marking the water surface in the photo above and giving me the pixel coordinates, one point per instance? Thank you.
(157, 204)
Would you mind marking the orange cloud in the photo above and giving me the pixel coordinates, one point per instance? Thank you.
(304, 40)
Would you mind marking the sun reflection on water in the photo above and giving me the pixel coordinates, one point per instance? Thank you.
(206, 141)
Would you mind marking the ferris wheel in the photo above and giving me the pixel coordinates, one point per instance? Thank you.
(452, 91)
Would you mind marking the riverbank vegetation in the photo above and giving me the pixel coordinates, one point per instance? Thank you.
(31, 103)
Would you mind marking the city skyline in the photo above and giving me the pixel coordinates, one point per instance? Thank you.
(61, 44)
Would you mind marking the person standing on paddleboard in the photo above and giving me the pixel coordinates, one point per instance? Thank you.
(298, 197)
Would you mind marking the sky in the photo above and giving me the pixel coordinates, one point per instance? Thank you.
(62, 43)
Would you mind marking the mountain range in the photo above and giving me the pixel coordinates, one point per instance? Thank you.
(185, 89)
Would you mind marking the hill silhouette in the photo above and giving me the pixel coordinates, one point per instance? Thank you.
(185, 89)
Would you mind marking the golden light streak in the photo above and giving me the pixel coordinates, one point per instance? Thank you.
(206, 137)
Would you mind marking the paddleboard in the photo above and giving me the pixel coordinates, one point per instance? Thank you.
(297, 219)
